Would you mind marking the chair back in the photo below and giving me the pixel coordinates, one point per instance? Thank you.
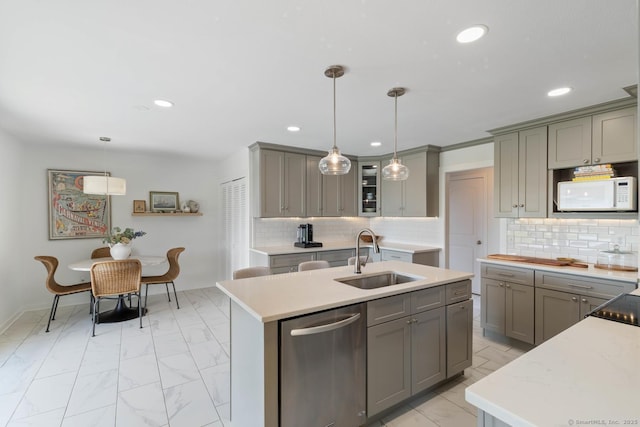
(115, 277)
(104, 252)
(174, 266)
(51, 264)
(244, 273)
(313, 265)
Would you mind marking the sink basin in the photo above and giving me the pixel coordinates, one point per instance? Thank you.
(378, 280)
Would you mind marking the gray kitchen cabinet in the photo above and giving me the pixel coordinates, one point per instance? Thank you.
(328, 195)
(520, 168)
(609, 137)
(339, 257)
(281, 180)
(561, 300)
(340, 193)
(418, 195)
(314, 203)
(507, 301)
(416, 340)
(425, 258)
(459, 336)
(288, 263)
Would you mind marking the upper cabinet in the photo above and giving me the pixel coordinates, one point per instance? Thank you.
(340, 193)
(418, 195)
(520, 170)
(609, 137)
(280, 178)
(369, 188)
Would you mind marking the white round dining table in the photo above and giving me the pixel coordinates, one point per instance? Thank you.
(121, 311)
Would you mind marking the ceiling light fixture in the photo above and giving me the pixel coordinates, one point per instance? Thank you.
(334, 163)
(293, 128)
(559, 91)
(395, 170)
(472, 34)
(376, 144)
(163, 103)
(104, 184)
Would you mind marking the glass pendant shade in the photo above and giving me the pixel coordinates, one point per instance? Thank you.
(104, 185)
(334, 163)
(395, 171)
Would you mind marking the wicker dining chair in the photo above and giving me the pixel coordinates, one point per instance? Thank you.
(110, 279)
(103, 252)
(244, 273)
(313, 265)
(58, 290)
(166, 278)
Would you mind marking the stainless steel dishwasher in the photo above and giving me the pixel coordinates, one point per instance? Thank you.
(323, 369)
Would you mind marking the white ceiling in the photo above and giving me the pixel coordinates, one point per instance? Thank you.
(241, 71)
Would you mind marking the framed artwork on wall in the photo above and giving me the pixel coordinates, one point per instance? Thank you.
(73, 214)
(139, 206)
(163, 201)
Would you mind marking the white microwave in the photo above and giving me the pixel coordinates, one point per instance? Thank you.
(614, 194)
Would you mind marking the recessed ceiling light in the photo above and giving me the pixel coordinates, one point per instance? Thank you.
(472, 34)
(559, 91)
(293, 128)
(163, 103)
(376, 144)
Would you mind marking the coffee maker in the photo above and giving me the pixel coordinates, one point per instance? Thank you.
(305, 237)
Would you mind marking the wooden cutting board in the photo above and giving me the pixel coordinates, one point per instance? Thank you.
(534, 260)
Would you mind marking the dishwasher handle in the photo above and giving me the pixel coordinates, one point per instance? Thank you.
(325, 328)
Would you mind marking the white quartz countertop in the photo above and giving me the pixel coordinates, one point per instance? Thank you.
(587, 373)
(280, 296)
(331, 246)
(624, 276)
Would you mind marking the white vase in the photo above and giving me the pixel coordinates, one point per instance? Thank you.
(120, 251)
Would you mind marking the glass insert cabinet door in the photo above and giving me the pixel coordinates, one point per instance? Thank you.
(369, 188)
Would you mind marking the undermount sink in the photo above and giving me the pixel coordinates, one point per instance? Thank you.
(378, 280)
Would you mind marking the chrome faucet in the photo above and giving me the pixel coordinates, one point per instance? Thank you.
(376, 249)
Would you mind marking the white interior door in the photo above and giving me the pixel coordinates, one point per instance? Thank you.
(235, 236)
(467, 196)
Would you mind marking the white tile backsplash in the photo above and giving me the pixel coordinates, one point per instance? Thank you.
(282, 231)
(576, 238)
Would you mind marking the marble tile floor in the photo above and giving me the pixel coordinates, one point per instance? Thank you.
(172, 372)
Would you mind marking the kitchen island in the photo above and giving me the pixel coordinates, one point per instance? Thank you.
(259, 304)
(585, 375)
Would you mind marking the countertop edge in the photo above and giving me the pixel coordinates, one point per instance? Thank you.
(592, 272)
(336, 246)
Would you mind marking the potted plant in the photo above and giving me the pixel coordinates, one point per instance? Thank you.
(120, 241)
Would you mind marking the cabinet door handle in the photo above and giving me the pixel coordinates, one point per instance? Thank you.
(463, 307)
(585, 161)
(460, 292)
(584, 300)
(574, 299)
(505, 274)
(574, 285)
(508, 285)
(596, 160)
(522, 205)
(479, 242)
(501, 284)
(515, 206)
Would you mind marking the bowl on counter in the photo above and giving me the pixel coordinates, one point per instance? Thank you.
(368, 239)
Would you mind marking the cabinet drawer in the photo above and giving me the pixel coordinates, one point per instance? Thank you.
(387, 255)
(458, 291)
(600, 288)
(339, 255)
(427, 299)
(524, 276)
(386, 309)
(287, 260)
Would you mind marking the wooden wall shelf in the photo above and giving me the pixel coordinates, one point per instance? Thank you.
(166, 214)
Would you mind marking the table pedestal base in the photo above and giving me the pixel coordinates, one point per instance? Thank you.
(120, 313)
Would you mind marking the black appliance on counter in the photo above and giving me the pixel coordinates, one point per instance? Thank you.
(625, 308)
(305, 237)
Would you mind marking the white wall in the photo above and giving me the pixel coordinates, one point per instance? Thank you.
(14, 233)
(24, 172)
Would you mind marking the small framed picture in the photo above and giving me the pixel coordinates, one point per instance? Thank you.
(139, 206)
(163, 201)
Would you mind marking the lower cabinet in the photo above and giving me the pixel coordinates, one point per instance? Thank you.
(424, 258)
(416, 340)
(557, 311)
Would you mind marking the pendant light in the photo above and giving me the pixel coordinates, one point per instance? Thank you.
(334, 163)
(395, 170)
(103, 184)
